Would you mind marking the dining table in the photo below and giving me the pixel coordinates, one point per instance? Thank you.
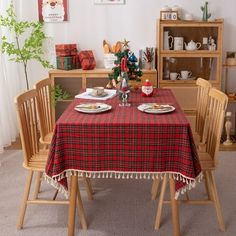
(123, 142)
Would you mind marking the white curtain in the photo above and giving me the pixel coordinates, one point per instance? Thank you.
(10, 86)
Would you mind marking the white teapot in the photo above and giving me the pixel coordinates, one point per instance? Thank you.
(192, 45)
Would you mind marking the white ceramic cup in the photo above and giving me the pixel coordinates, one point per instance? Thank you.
(178, 43)
(185, 74)
(174, 75)
(97, 91)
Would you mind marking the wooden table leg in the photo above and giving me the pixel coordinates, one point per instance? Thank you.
(174, 208)
(72, 205)
(81, 211)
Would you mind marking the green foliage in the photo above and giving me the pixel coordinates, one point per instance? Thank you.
(58, 93)
(205, 14)
(27, 41)
(134, 72)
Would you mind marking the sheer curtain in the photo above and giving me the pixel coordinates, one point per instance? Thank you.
(10, 86)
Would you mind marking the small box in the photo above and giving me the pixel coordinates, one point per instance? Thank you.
(66, 49)
(65, 63)
(76, 62)
(87, 60)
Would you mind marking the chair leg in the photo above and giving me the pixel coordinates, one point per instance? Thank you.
(37, 185)
(24, 200)
(155, 186)
(216, 202)
(55, 195)
(207, 185)
(88, 186)
(160, 203)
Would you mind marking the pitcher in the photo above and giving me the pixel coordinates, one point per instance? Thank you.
(167, 42)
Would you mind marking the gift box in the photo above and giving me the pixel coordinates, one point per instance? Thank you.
(87, 60)
(68, 63)
(76, 62)
(66, 49)
(65, 63)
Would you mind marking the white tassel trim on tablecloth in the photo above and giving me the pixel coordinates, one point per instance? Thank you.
(191, 182)
(56, 185)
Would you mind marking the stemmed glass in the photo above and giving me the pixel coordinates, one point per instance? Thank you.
(124, 93)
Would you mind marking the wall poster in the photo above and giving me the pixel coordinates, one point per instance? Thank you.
(52, 10)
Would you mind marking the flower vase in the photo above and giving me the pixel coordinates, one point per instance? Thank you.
(148, 65)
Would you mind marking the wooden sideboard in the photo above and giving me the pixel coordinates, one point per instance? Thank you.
(75, 80)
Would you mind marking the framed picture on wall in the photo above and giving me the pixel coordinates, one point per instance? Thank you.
(52, 10)
(109, 2)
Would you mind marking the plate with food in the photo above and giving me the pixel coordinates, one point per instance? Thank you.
(156, 108)
(92, 107)
(103, 94)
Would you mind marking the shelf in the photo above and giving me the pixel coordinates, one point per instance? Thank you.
(185, 23)
(185, 53)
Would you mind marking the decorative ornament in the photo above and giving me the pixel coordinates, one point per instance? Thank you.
(132, 57)
(205, 14)
(125, 44)
(147, 89)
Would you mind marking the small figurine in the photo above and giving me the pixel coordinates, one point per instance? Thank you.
(211, 44)
(205, 13)
(147, 89)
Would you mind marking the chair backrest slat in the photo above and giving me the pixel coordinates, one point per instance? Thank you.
(26, 106)
(43, 88)
(202, 105)
(217, 106)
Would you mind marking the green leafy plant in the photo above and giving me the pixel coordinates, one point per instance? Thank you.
(58, 93)
(27, 43)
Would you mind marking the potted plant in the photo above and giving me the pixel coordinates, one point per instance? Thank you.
(58, 93)
(148, 57)
(28, 41)
(230, 58)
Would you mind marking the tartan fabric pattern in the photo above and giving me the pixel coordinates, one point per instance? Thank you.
(125, 140)
(87, 60)
(66, 49)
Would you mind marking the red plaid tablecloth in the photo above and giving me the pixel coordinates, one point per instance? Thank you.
(124, 143)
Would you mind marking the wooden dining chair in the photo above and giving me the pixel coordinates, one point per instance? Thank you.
(34, 157)
(217, 106)
(199, 134)
(46, 127)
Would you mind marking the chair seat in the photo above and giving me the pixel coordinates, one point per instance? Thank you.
(196, 137)
(38, 161)
(206, 161)
(46, 139)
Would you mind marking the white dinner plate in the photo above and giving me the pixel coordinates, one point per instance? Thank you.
(154, 108)
(92, 107)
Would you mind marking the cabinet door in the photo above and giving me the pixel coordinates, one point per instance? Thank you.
(186, 97)
(94, 81)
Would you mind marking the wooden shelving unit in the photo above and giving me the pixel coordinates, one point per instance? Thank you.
(202, 63)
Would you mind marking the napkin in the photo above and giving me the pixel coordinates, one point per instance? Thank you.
(86, 95)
